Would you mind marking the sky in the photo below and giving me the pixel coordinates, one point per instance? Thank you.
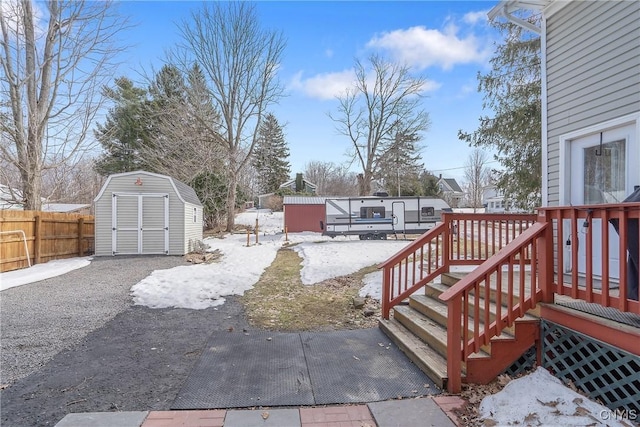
(447, 42)
(535, 399)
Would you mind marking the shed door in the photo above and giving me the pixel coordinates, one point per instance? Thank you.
(140, 224)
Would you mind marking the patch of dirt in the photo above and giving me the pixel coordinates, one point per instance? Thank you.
(280, 302)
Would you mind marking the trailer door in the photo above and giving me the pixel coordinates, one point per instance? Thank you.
(397, 208)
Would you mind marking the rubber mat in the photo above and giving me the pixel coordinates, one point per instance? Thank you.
(360, 366)
(238, 371)
(610, 313)
(300, 369)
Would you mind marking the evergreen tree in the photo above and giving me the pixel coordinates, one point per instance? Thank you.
(270, 155)
(124, 131)
(400, 166)
(512, 89)
(429, 184)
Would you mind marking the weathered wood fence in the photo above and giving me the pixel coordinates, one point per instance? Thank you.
(48, 236)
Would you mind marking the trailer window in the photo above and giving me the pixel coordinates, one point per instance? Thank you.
(372, 212)
(427, 211)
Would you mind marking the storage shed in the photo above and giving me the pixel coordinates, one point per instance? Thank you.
(303, 213)
(146, 213)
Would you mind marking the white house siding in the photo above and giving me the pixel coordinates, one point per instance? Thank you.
(150, 184)
(593, 71)
(192, 230)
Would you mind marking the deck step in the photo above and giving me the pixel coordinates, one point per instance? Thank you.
(426, 358)
(432, 307)
(429, 331)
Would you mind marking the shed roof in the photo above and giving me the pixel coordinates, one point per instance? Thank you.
(302, 200)
(185, 193)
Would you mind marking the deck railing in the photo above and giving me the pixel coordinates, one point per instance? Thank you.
(461, 239)
(591, 247)
(510, 278)
(521, 263)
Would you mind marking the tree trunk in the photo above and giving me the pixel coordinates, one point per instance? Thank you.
(364, 186)
(231, 198)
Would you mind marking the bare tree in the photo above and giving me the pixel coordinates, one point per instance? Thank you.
(477, 176)
(383, 102)
(55, 57)
(76, 182)
(331, 179)
(240, 61)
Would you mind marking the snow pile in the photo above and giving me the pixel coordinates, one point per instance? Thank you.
(541, 399)
(204, 285)
(323, 261)
(268, 222)
(39, 272)
(372, 285)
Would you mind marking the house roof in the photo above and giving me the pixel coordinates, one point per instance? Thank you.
(64, 207)
(452, 184)
(291, 181)
(301, 200)
(185, 193)
(506, 8)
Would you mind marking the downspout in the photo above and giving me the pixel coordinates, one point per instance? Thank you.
(543, 99)
(502, 9)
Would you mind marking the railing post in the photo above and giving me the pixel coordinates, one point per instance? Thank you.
(454, 346)
(545, 258)
(386, 292)
(447, 218)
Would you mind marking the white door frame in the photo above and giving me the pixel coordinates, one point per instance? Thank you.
(632, 159)
(140, 223)
(398, 212)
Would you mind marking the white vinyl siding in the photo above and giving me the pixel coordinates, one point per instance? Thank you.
(192, 230)
(593, 71)
(181, 229)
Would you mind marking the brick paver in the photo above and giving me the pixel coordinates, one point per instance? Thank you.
(337, 416)
(449, 404)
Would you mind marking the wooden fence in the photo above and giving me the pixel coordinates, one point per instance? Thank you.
(48, 236)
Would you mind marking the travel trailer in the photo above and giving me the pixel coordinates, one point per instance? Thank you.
(376, 217)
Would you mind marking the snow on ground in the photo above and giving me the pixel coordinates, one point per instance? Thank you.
(323, 261)
(39, 272)
(205, 285)
(372, 285)
(541, 399)
(536, 399)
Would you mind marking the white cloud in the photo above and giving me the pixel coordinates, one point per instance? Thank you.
(323, 86)
(422, 48)
(330, 85)
(473, 18)
(328, 53)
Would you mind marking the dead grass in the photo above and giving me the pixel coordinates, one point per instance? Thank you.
(279, 301)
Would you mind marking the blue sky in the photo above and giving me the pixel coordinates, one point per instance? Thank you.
(448, 42)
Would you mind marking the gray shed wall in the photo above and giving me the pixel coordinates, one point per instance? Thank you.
(593, 71)
(180, 230)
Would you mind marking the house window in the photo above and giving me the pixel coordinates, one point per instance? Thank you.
(427, 211)
(372, 212)
(195, 215)
(604, 173)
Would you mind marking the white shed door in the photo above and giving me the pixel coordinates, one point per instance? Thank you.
(140, 224)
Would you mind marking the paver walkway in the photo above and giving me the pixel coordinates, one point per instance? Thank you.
(437, 411)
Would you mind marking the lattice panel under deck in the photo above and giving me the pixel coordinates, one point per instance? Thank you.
(525, 363)
(605, 373)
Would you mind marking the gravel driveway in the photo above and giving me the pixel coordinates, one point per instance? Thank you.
(75, 343)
